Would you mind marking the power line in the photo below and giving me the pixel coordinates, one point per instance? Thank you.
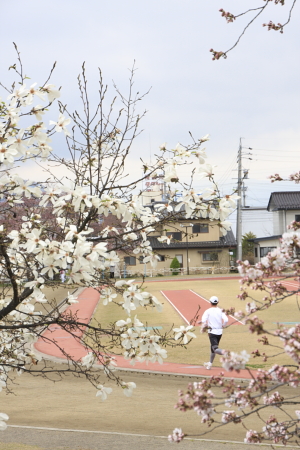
(274, 150)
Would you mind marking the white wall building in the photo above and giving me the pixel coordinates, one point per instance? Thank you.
(285, 208)
(153, 190)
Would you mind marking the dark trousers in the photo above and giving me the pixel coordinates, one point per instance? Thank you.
(214, 341)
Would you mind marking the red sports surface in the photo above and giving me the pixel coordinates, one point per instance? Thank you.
(191, 306)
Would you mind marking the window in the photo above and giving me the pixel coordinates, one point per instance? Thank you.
(200, 228)
(297, 217)
(162, 257)
(176, 235)
(211, 256)
(256, 252)
(265, 250)
(141, 259)
(180, 259)
(130, 260)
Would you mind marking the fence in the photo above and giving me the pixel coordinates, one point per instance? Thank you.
(131, 272)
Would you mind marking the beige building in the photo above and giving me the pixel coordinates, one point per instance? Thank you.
(197, 244)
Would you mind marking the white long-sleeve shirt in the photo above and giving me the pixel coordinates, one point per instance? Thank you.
(215, 319)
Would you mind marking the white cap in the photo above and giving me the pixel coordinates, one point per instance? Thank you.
(214, 300)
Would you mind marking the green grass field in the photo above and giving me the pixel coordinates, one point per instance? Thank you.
(235, 338)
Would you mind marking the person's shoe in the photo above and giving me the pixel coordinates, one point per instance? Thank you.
(207, 365)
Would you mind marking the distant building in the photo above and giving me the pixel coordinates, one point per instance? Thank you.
(198, 244)
(285, 208)
(153, 190)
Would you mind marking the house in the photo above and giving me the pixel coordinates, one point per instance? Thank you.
(264, 245)
(197, 244)
(285, 208)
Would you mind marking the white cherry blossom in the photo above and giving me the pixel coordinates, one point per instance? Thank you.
(61, 124)
(52, 93)
(128, 388)
(107, 295)
(103, 392)
(206, 170)
(7, 154)
(184, 333)
(88, 360)
(3, 418)
(71, 299)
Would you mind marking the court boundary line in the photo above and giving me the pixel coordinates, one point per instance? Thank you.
(200, 296)
(184, 318)
(234, 318)
(292, 284)
(70, 430)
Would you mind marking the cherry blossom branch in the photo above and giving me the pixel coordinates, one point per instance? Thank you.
(271, 26)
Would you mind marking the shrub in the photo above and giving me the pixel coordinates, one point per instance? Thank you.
(175, 265)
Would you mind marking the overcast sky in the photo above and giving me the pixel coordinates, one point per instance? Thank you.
(254, 94)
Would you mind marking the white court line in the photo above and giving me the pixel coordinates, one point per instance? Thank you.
(138, 435)
(209, 302)
(63, 337)
(175, 308)
(193, 367)
(84, 431)
(291, 284)
(203, 298)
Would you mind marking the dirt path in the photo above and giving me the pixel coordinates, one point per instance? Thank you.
(61, 440)
(119, 423)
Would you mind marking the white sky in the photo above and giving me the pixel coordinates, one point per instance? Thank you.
(253, 94)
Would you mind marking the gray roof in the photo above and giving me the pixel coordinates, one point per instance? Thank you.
(284, 200)
(267, 238)
(225, 241)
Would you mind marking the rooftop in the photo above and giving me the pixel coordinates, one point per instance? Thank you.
(225, 241)
(284, 201)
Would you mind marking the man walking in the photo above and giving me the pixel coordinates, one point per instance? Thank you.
(215, 320)
(62, 275)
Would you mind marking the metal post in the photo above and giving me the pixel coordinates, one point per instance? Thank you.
(187, 252)
(187, 248)
(239, 209)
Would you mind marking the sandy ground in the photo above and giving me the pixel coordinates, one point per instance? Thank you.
(71, 404)
(60, 440)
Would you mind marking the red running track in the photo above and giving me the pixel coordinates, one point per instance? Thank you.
(188, 304)
(291, 284)
(57, 343)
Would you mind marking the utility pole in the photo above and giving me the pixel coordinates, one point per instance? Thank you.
(239, 205)
(187, 255)
(187, 247)
(244, 188)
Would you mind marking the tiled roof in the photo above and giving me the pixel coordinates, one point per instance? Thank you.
(284, 200)
(226, 241)
(267, 238)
